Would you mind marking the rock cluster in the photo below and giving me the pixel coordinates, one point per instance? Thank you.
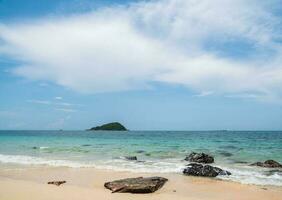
(199, 158)
(195, 169)
(268, 164)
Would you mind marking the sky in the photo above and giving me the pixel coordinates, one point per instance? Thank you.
(151, 65)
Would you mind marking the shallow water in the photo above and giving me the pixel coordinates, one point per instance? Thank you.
(157, 151)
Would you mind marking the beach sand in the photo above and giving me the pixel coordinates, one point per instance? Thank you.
(86, 183)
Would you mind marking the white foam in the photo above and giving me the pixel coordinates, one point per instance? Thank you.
(43, 147)
(250, 175)
(245, 175)
(29, 160)
(169, 166)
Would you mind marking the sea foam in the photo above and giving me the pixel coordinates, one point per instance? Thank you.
(245, 175)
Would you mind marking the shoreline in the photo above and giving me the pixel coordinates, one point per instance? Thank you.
(155, 152)
(31, 182)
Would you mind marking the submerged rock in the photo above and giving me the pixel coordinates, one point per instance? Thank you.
(86, 145)
(140, 151)
(199, 158)
(225, 153)
(114, 126)
(268, 164)
(273, 172)
(228, 147)
(240, 162)
(136, 185)
(57, 183)
(195, 169)
(130, 157)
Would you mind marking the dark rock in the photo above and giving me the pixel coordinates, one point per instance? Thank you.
(136, 185)
(228, 147)
(195, 169)
(140, 151)
(240, 162)
(272, 172)
(268, 164)
(34, 147)
(114, 126)
(57, 183)
(199, 158)
(221, 171)
(130, 157)
(200, 170)
(86, 145)
(225, 153)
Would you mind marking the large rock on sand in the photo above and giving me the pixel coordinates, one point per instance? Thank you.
(136, 185)
(199, 158)
(195, 169)
(268, 164)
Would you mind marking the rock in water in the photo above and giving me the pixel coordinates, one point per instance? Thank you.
(200, 170)
(130, 157)
(136, 185)
(268, 164)
(195, 169)
(114, 126)
(199, 158)
(57, 183)
(225, 153)
(140, 151)
(221, 171)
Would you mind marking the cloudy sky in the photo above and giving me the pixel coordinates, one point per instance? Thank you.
(152, 65)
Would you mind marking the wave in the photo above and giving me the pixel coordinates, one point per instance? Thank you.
(245, 175)
(43, 147)
(30, 160)
(75, 149)
(249, 175)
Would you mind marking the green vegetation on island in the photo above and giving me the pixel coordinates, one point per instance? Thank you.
(114, 126)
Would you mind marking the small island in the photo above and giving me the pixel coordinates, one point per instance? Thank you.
(114, 126)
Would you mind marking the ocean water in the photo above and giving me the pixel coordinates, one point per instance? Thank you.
(157, 151)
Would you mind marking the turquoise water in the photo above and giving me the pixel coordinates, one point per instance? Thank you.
(157, 151)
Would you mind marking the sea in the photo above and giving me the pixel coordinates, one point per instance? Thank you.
(157, 151)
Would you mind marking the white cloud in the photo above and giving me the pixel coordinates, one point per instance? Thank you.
(40, 102)
(46, 102)
(66, 110)
(58, 98)
(204, 94)
(43, 84)
(125, 48)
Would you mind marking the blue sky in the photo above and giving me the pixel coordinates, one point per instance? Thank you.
(152, 65)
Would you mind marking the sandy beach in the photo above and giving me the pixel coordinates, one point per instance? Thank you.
(31, 183)
(140, 100)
